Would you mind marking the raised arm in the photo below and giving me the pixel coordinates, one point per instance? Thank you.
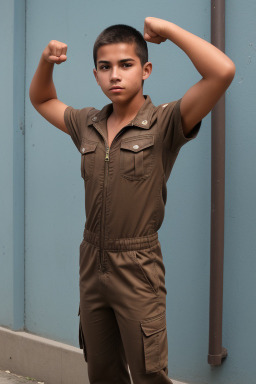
(216, 69)
(42, 91)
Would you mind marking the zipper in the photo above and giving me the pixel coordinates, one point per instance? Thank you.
(105, 184)
(107, 154)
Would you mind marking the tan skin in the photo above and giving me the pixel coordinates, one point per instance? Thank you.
(216, 69)
(119, 74)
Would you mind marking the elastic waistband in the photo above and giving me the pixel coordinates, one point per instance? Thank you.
(122, 244)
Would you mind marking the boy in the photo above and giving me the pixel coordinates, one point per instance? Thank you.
(127, 152)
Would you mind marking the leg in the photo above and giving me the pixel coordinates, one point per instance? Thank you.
(146, 348)
(99, 332)
(104, 352)
(140, 308)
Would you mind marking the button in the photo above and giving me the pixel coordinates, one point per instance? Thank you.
(94, 118)
(165, 105)
(136, 146)
(144, 122)
(83, 150)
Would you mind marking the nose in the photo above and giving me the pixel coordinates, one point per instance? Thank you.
(115, 74)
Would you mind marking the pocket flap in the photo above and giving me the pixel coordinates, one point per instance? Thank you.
(138, 144)
(87, 147)
(152, 326)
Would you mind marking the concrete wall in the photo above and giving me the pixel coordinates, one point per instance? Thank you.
(54, 195)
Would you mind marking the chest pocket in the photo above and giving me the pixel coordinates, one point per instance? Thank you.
(136, 157)
(87, 150)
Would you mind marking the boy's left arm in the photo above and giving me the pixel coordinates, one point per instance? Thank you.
(216, 68)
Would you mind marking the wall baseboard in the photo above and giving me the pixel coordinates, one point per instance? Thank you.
(43, 359)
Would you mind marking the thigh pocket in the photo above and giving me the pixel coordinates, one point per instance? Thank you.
(81, 338)
(87, 150)
(155, 343)
(136, 157)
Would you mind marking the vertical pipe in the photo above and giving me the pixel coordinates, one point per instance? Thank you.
(216, 352)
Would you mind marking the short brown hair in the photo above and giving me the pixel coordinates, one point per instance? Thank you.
(121, 33)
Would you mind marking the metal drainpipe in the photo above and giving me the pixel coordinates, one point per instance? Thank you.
(216, 352)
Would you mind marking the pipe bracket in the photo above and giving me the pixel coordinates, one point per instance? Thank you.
(217, 359)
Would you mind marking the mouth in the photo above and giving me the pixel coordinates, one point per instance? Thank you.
(116, 88)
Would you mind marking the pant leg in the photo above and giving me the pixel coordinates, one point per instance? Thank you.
(99, 332)
(105, 356)
(135, 281)
(146, 354)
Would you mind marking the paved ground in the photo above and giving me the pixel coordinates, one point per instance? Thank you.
(9, 378)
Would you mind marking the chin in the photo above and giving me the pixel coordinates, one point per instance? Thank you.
(118, 98)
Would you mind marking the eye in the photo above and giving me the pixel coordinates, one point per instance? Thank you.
(104, 67)
(126, 65)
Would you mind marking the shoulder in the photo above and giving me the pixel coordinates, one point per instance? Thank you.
(80, 111)
(167, 110)
(166, 107)
(79, 115)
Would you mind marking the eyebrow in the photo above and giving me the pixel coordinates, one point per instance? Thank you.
(120, 61)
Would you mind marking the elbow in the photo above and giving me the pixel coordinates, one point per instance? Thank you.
(228, 72)
(231, 71)
(35, 100)
(31, 96)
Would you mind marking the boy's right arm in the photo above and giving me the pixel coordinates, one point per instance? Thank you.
(42, 91)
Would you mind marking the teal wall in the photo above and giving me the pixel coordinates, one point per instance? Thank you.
(12, 69)
(42, 195)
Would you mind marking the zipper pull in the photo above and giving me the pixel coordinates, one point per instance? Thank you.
(107, 154)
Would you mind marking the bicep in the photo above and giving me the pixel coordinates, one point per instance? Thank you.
(53, 111)
(199, 100)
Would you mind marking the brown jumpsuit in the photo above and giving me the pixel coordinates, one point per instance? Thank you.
(122, 275)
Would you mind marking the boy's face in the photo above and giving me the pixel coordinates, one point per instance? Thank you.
(119, 72)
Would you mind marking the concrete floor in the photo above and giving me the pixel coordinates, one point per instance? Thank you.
(10, 378)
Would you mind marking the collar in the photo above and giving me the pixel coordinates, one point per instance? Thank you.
(141, 120)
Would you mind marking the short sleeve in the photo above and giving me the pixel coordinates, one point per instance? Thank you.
(171, 124)
(76, 123)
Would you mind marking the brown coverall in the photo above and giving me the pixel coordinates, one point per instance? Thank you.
(122, 275)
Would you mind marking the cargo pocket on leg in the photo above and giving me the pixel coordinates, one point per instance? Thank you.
(155, 343)
(81, 337)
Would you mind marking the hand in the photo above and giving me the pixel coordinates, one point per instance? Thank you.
(154, 30)
(55, 52)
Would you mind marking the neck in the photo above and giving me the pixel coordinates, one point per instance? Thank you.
(128, 110)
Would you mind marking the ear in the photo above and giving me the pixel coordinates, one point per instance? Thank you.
(147, 69)
(96, 75)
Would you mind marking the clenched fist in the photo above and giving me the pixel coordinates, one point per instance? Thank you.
(154, 30)
(55, 52)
